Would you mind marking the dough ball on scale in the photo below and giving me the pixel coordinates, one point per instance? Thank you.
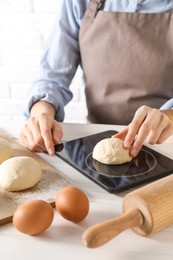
(111, 151)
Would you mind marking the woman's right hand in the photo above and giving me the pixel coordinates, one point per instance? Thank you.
(149, 124)
(41, 132)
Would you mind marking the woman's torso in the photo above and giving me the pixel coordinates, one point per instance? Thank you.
(127, 60)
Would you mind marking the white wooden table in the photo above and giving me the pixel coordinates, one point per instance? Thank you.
(63, 239)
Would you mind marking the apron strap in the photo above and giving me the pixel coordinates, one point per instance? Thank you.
(94, 6)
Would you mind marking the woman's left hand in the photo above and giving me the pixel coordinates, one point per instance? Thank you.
(148, 124)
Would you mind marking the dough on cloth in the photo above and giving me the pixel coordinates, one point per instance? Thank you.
(6, 151)
(19, 173)
(111, 151)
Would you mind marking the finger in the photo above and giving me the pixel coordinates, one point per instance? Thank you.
(149, 129)
(154, 135)
(157, 123)
(57, 133)
(140, 138)
(164, 135)
(161, 133)
(24, 139)
(37, 142)
(46, 133)
(122, 134)
(36, 133)
(134, 127)
(28, 141)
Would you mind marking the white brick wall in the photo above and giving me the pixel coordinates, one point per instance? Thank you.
(24, 26)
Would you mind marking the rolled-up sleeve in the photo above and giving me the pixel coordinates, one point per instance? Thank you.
(61, 55)
(59, 61)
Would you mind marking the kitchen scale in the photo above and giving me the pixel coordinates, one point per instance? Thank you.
(149, 165)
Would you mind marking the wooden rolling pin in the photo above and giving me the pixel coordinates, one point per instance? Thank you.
(146, 210)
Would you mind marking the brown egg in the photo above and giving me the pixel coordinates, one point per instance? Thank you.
(33, 217)
(72, 203)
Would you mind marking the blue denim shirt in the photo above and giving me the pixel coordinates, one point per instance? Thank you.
(61, 55)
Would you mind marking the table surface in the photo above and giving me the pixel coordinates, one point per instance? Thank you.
(62, 240)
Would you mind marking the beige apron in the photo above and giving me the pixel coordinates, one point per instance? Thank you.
(127, 60)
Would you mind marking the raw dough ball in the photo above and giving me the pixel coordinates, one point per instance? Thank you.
(5, 150)
(19, 173)
(111, 151)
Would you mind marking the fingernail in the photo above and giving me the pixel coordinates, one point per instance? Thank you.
(57, 140)
(50, 151)
(134, 152)
(127, 144)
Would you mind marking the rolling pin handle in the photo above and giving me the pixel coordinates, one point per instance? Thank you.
(101, 233)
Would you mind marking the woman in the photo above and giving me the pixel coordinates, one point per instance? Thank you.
(126, 51)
